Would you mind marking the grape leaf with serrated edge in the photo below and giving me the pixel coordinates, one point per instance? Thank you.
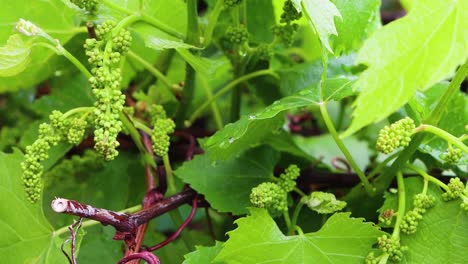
(401, 60)
(258, 239)
(226, 184)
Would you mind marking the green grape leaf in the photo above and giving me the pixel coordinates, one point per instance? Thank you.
(67, 92)
(324, 148)
(260, 12)
(14, 56)
(284, 143)
(203, 254)
(444, 224)
(338, 88)
(401, 60)
(298, 77)
(453, 121)
(163, 11)
(259, 240)
(158, 40)
(321, 15)
(355, 23)
(208, 67)
(226, 184)
(27, 236)
(252, 129)
(61, 27)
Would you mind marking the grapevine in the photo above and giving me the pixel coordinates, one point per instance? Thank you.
(233, 131)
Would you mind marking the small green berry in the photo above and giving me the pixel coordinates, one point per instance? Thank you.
(453, 155)
(456, 188)
(237, 35)
(396, 135)
(290, 12)
(288, 178)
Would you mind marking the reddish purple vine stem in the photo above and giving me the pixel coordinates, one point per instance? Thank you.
(145, 255)
(180, 229)
(121, 221)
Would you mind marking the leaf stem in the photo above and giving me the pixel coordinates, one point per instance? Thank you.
(344, 150)
(145, 18)
(60, 50)
(169, 175)
(295, 216)
(428, 177)
(380, 166)
(227, 88)
(212, 21)
(193, 38)
(442, 134)
(401, 205)
(136, 137)
(214, 106)
(77, 110)
(287, 220)
(452, 89)
(151, 69)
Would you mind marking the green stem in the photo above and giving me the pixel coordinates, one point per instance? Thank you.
(344, 150)
(130, 126)
(127, 21)
(401, 205)
(60, 50)
(426, 186)
(145, 18)
(77, 110)
(296, 213)
(381, 165)
(428, 177)
(151, 69)
(299, 230)
(193, 30)
(193, 37)
(227, 88)
(213, 19)
(142, 126)
(161, 26)
(452, 89)
(235, 103)
(442, 134)
(214, 106)
(287, 220)
(76, 62)
(169, 175)
(89, 223)
(298, 191)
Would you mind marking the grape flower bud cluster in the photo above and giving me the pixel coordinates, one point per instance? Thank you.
(273, 195)
(411, 219)
(104, 54)
(88, 5)
(286, 31)
(396, 135)
(453, 155)
(162, 128)
(58, 129)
